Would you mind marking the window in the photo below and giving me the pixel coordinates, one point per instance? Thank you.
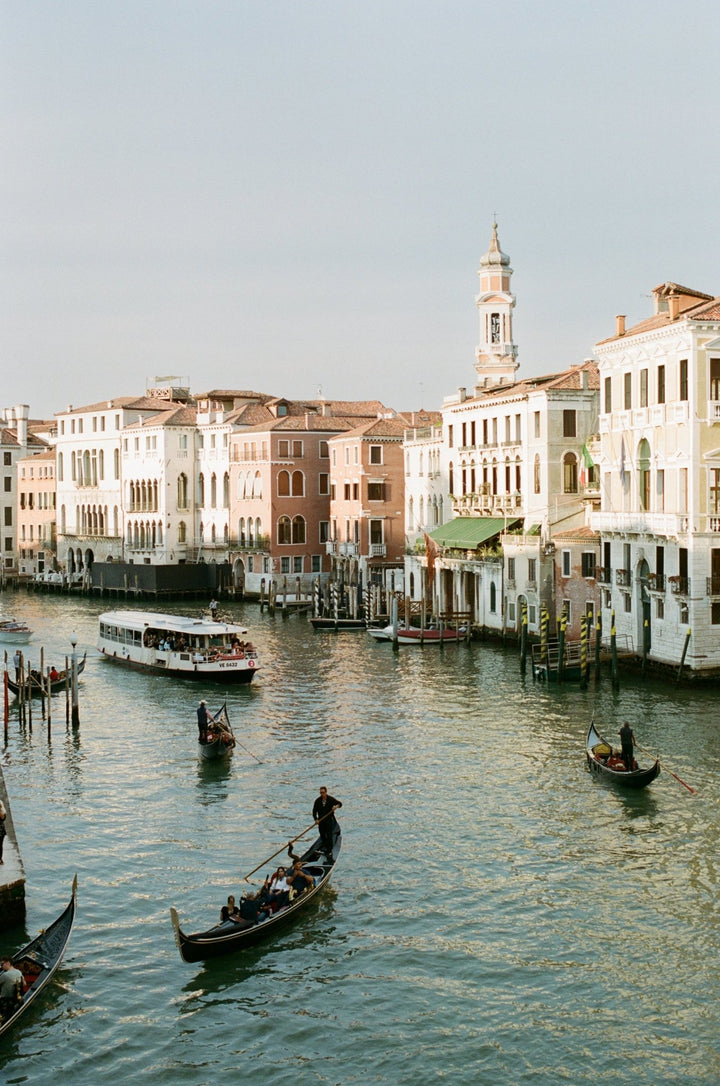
(283, 484)
(536, 475)
(511, 569)
(536, 422)
(346, 492)
(493, 598)
(297, 450)
(376, 492)
(660, 607)
(683, 387)
(298, 484)
(284, 530)
(323, 483)
(376, 454)
(298, 529)
(588, 564)
(316, 563)
(285, 565)
(643, 388)
(182, 485)
(569, 423)
(661, 384)
(715, 378)
(297, 564)
(715, 613)
(532, 570)
(628, 391)
(494, 327)
(324, 531)
(323, 451)
(356, 492)
(284, 449)
(660, 491)
(450, 437)
(608, 395)
(570, 474)
(565, 563)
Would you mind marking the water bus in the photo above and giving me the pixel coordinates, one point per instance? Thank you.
(194, 648)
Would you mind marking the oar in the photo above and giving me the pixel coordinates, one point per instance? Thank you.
(662, 764)
(248, 752)
(292, 842)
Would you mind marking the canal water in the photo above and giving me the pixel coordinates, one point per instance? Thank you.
(498, 916)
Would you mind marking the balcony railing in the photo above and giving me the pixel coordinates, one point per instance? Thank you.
(623, 578)
(679, 586)
(378, 550)
(656, 582)
(713, 586)
(603, 575)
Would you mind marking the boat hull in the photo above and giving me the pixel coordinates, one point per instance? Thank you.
(224, 673)
(635, 778)
(228, 938)
(33, 689)
(40, 958)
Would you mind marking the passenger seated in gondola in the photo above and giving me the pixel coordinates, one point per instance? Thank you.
(253, 908)
(278, 889)
(299, 880)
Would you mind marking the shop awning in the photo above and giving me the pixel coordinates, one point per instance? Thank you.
(467, 533)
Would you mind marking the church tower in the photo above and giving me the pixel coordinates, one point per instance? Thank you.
(496, 355)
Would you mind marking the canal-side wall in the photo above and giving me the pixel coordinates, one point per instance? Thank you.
(12, 875)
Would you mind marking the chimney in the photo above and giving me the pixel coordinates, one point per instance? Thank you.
(674, 306)
(620, 324)
(22, 414)
(462, 394)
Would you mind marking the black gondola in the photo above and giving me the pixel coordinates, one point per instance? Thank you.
(36, 685)
(38, 960)
(602, 760)
(220, 739)
(232, 935)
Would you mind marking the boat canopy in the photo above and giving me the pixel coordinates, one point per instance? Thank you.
(467, 533)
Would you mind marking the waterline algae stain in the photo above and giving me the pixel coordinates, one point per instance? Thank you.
(500, 915)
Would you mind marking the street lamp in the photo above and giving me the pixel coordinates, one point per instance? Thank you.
(75, 714)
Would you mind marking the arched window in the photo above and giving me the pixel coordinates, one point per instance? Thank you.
(298, 484)
(241, 531)
(101, 464)
(421, 512)
(283, 484)
(493, 597)
(284, 530)
(226, 491)
(411, 514)
(257, 491)
(116, 461)
(451, 485)
(570, 473)
(298, 530)
(182, 530)
(536, 474)
(258, 529)
(182, 491)
(213, 491)
(201, 489)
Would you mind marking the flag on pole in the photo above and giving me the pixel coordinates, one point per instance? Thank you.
(587, 463)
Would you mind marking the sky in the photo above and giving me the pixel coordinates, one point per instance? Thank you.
(294, 197)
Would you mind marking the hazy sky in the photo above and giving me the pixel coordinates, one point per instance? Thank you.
(295, 196)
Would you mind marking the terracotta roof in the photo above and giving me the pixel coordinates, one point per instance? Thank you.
(174, 415)
(708, 310)
(133, 403)
(8, 436)
(379, 428)
(579, 535)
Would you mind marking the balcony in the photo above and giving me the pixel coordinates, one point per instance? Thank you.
(350, 550)
(713, 586)
(679, 586)
(669, 525)
(656, 582)
(378, 550)
(603, 575)
(623, 578)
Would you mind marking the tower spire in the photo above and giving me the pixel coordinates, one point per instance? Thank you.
(496, 355)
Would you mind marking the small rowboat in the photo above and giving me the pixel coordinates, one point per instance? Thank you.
(220, 739)
(602, 760)
(14, 632)
(232, 935)
(36, 685)
(38, 960)
(416, 635)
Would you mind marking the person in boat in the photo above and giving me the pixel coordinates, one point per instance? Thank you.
(278, 889)
(253, 908)
(54, 674)
(213, 609)
(627, 741)
(204, 718)
(299, 880)
(323, 813)
(11, 985)
(229, 911)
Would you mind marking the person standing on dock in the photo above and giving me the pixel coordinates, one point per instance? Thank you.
(323, 813)
(627, 740)
(213, 609)
(204, 718)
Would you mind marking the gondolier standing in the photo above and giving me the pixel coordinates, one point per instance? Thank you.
(204, 717)
(326, 805)
(627, 740)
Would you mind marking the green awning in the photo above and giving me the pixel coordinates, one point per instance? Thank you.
(467, 533)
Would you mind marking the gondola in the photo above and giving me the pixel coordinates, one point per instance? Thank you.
(38, 960)
(233, 935)
(220, 740)
(602, 760)
(36, 685)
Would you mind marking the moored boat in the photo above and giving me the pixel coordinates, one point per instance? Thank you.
(607, 763)
(193, 648)
(418, 635)
(39, 959)
(14, 632)
(233, 935)
(220, 739)
(36, 685)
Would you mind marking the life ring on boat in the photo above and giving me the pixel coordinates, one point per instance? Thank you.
(251, 663)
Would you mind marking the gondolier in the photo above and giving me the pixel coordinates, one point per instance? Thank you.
(204, 718)
(627, 741)
(323, 813)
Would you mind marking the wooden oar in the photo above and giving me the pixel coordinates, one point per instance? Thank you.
(287, 845)
(663, 766)
(248, 751)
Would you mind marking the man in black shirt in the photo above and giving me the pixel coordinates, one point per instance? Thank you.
(324, 806)
(627, 740)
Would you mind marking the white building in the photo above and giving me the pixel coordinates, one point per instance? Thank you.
(660, 478)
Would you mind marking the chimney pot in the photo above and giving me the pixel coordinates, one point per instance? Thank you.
(620, 322)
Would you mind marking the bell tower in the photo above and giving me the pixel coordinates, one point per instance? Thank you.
(496, 355)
